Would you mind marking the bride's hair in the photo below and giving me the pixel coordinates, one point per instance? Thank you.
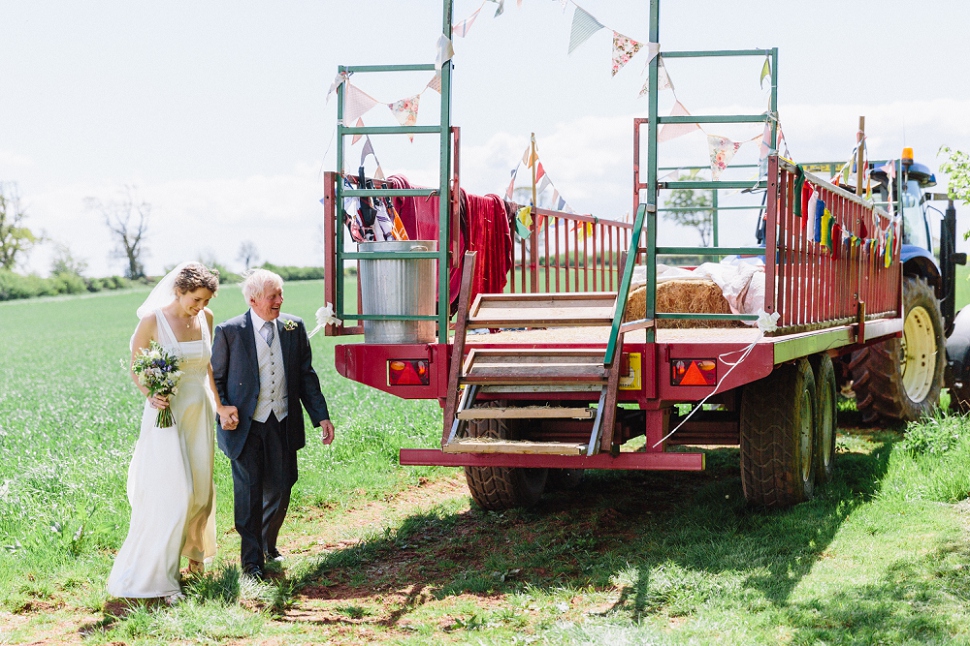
(197, 276)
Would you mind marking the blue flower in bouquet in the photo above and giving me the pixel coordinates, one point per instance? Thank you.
(158, 371)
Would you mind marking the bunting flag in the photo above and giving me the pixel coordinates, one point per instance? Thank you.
(367, 150)
(337, 82)
(435, 82)
(765, 72)
(356, 103)
(583, 229)
(528, 158)
(663, 79)
(501, 7)
(819, 213)
(673, 130)
(397, 230)
(584, 26)
(445, 52)
(540, 172)
(461, 29)
(406, 111)
(624, 48)
(379, 173)
(511, 188)
(722, 152)
(825, 238)
(359, 124)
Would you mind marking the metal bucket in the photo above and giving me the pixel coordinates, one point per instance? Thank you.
(398, 287)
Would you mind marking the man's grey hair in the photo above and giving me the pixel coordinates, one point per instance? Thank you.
(256, 282)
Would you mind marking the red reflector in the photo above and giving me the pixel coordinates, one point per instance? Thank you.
(693, 372)
(408, 372)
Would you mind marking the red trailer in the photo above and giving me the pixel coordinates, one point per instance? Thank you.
(573, 377)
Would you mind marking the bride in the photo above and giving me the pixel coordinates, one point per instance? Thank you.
(170, 486)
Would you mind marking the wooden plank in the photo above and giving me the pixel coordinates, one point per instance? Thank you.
(458, 348)
(535, 374)
(527, 412)
(484, 445)
(548, 296)
(609, 411)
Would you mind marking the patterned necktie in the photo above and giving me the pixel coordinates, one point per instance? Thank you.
(267, 332)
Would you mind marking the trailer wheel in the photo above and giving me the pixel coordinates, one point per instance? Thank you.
(826, 416)
(500, 488)
(777, 437)
(900, 379)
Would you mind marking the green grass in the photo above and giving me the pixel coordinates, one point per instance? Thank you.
(879, 556)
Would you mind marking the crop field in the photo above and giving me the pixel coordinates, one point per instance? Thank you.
(377, 553)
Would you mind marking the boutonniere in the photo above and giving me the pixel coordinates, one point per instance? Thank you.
(289, 325)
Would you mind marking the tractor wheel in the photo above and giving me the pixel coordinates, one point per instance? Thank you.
(900, 379)
(826, 414)
(777, 437)
(500, 488)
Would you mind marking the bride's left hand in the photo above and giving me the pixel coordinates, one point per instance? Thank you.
(158, 401)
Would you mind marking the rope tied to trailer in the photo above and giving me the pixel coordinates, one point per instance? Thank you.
(766, 323)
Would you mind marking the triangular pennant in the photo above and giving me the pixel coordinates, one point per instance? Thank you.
(435, 82)
(543, 183)
(445, 52)
(406, 111)
(528, 158)
(663, 79)
(341, 77)
(461, 29)
(356, 103)
(501, 7)
(540, 172)
(722, 152)
(584, 26)
(673, 130)
(379, 173)
(367, 150)
(624, 48)
(359, 124)
(765, 72)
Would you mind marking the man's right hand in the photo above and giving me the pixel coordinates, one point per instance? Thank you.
(228, 417)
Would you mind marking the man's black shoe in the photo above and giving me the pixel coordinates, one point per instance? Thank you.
(274, 556)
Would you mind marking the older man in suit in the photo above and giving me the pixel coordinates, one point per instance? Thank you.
(263, 370)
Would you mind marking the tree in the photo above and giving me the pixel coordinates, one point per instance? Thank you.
(65, 262)
(248, 254)
(694, 208)
(957, 169)
(127, 220)
(16, 240)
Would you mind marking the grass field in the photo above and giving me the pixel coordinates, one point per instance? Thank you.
(379, 553)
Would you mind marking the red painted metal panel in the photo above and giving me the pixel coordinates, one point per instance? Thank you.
(757, 365)
(367, 364)
(634, 461)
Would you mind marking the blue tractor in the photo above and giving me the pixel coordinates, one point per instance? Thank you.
(900, 380)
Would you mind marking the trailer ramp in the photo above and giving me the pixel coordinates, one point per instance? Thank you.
(531, 368)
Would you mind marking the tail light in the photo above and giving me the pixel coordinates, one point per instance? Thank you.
(408, 372)
(693, 372)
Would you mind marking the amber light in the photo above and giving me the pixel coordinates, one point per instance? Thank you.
(693, 372)
(408, 372)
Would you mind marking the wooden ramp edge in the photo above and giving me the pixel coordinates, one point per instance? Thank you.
(485, 445)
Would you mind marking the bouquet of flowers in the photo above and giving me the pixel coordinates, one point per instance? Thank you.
(158, 371)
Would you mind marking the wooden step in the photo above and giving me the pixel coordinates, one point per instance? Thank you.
(542, 310)
(530, 366)
(527, 412)
(486, 445)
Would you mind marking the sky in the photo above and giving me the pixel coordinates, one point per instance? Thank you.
(216, 113)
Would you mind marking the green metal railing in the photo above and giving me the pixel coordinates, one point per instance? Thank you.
(648, 208)
(443, 191)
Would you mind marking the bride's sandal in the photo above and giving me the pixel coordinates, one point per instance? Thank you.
(196, 568)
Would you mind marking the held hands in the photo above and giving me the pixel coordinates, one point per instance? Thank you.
(228, 417)
(326, 431)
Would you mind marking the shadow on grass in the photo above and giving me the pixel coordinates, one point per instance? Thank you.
(664, 539)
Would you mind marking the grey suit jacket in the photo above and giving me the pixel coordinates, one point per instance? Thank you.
(236, 371)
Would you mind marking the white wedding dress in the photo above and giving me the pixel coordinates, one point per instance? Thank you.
(170, 484)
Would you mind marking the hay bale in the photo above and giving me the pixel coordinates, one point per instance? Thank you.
(682, 297)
